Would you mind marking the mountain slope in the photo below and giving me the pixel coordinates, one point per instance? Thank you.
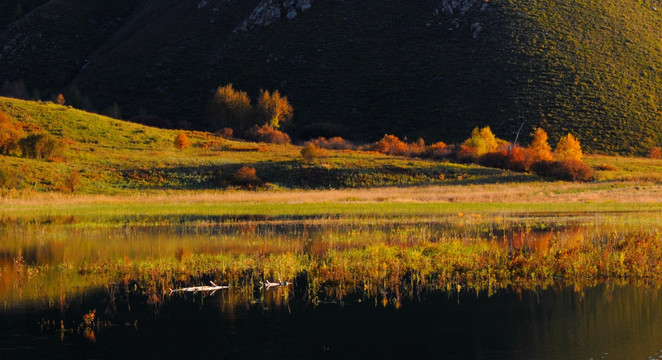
(430, 68)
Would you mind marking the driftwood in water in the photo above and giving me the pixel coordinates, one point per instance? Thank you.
(268, 284)
(195, 289)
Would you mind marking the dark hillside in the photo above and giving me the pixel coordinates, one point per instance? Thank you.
(359, 69)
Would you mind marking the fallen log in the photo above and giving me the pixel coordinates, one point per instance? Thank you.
(268, 284)
(195, 289)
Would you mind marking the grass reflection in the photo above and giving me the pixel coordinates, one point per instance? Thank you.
(50, 259)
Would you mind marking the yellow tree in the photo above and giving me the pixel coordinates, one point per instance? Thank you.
(274, 109)
(568, 148)
(482, 141)
(181, 141)
(539, 149)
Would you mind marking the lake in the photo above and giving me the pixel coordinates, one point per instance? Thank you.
(358, 287)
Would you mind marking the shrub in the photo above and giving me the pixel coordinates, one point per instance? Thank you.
(495, 159)
(334, 143)
(512, 159)
(73, 181)
(655, 153)
(60, 99)
(230, 108)
(266, 133)
(310, 152)
(517, 158)
(273, 109)
(181, 141)
(41, 146)
(226, 133)
(390, 145)
(571, 170)
(438, 150)
(568, 148)
(10, 134)
(246, 177)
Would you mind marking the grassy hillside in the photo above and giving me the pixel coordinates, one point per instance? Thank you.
(113, 156)
(361, 69)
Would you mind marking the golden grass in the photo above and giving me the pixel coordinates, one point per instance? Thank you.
(541, 192)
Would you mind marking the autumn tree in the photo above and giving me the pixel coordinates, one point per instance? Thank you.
(568, 148)
(60, 99)
(273, 109)
(181, 141)
(231, 108)
(10, 134)
(539, 149)
(481, 141)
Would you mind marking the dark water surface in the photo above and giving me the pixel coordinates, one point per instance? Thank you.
(602, 322)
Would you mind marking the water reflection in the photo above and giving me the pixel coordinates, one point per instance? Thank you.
(610, 321)
(52, 258)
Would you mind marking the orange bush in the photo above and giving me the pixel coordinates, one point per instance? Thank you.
(438, 150)
(181, 141)
(310, 152)
(10, 134)
(335, 143)
(266, 133)
(225, 133)
(571, 170)
(655, 153)
(247, 177)
(392, 145)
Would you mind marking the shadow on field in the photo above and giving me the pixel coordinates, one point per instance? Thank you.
(295, 174)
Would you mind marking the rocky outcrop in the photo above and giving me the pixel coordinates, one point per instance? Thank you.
(269, 12)
(458, 12)
(459, 7)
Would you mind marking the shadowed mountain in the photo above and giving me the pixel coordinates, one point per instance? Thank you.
(359, 69)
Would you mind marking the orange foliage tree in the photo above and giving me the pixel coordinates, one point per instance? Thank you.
(273, 109)
(568, 148)
(10, 134)
(230, 108)
(60, 99)
(181, 141)
(539, 149)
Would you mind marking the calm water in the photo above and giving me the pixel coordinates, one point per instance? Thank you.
(604, 322)
(45, 300)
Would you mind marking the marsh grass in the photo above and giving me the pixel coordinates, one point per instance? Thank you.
(327, 258)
